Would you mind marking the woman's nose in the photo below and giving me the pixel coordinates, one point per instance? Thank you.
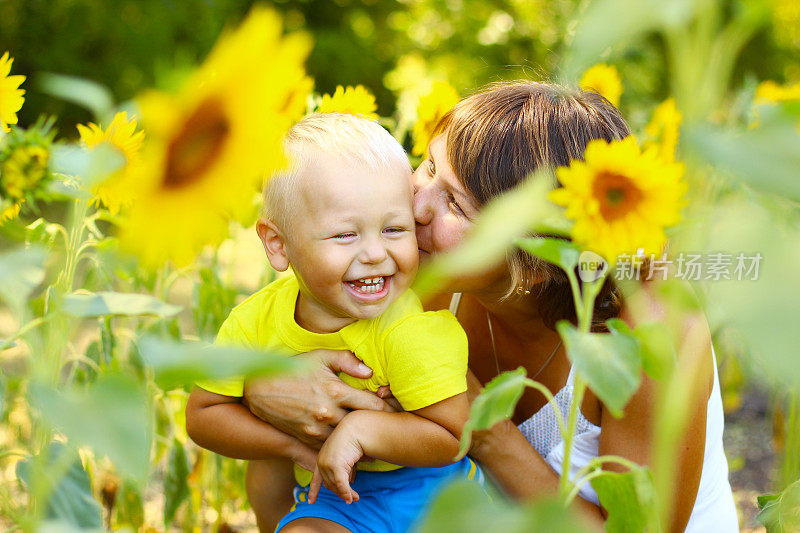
(423, 201)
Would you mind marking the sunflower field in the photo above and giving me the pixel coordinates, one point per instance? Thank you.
(134, 139)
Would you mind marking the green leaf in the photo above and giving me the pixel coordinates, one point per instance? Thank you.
(766, 157)
(176, 485)
(496, 402)
(71, 500)
(110, 416)
(81, 91)
(629, 498)
(130, 508)
(762, 311)
(781, 512)
(88, 304)
(657, 349)
(608, 362)
(464, 507)
(503, 220)
(606, 23)
(85, 166)
(21, 271)
(178, 364)
(560, 252)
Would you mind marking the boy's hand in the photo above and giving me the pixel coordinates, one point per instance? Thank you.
(336, 463)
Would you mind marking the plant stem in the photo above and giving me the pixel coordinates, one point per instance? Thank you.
(584, 309)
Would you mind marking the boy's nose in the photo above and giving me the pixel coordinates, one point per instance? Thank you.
(374, 252)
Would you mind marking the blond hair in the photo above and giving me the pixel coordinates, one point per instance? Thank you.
(331, 135)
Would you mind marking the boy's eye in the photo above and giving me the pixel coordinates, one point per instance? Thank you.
(344, 236)
(394, 230)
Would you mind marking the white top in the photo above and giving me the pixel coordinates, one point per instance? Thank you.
(714, 508)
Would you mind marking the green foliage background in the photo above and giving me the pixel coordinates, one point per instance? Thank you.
(128, 45)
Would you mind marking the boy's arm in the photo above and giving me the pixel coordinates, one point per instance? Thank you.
(427, 437)
(225, 426)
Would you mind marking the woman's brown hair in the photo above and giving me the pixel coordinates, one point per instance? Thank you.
(499, 136)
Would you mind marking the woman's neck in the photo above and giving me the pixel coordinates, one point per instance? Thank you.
(518, 316)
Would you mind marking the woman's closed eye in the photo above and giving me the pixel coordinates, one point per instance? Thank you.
(453, 205)
(431, 167)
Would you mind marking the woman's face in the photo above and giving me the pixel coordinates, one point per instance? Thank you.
(443, 208)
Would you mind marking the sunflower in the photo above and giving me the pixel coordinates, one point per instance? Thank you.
(210, 145)
(24, 169)
(430, 111)
(351, 100)
(115, 191)
(605, 80)
(11, 211)
(621, 198)
(11, 96)
(770, 92)
(664, 128)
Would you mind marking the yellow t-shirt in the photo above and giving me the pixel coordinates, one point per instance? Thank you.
(422, 355)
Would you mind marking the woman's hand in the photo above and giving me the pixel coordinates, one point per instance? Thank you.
(308, 407)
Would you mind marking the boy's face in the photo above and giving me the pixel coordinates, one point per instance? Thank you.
(353, 248)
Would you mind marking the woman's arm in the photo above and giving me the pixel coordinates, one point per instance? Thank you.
(309, 407)
(518, 469)
(225, 426)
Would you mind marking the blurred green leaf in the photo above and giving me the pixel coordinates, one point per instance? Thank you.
(88, 304)
(176, 485)
(766, 157)
(657, 349)
(110, 416)
(606, 23)
(177, 364)
(130, 508)
(629, 498)
(496, 402)
(21, 271)
(502, 221)
(71, 500)
(763, 310)
(464, 507)
(88, 167)
(608, 362)
(560, 252)
(780, 513)
(85, 93)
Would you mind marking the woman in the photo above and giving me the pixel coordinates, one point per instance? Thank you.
(487, 145)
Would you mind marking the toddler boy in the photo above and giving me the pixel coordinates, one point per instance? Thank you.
(342, 219)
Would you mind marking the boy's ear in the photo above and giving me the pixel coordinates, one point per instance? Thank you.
(274, 244)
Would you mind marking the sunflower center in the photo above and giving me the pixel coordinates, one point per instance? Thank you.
(198, 144)
(617, 194)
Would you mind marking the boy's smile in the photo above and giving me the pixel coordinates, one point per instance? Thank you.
(352, 246)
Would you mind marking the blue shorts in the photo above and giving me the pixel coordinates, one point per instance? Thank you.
(388, 501)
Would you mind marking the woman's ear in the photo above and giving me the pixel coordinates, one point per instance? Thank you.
(274, 244)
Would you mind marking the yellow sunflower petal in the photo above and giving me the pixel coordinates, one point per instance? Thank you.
(351, 100)
(605, 80)
(620, 198)
(210, 145)
(430, 110)
(11, 96)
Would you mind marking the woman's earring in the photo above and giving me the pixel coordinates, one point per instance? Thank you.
(523, 289)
